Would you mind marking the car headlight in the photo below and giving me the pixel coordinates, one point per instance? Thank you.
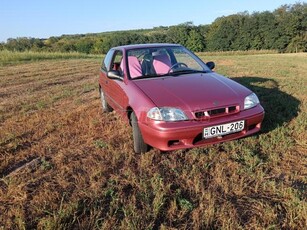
(166, 114)
(251, 101)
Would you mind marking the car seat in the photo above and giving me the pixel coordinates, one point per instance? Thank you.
(147, 67)
(134, 67)
(161, 63)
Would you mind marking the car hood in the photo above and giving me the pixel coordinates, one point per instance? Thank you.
(193, 91)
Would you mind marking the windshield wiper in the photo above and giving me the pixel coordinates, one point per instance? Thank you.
(187, 71)
(146, 76)
(176, 73)
(200, 71)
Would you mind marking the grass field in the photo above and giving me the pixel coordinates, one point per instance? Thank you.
(66, 165)
(11, 58)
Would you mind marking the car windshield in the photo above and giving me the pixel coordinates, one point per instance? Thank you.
(163, 61)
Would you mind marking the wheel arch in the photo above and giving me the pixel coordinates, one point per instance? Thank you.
(129, 111)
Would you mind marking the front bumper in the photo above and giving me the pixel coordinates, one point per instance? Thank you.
(168, 136)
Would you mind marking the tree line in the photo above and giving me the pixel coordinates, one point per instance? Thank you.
(284, 29)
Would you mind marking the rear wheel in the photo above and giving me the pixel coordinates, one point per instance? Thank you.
(139, 145)
(105, 106)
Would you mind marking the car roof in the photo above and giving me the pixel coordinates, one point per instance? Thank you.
(148, 45)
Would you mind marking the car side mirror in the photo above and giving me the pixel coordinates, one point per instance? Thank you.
(211, 65)
(114, 74)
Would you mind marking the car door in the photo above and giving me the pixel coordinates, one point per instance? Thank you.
(114, 88)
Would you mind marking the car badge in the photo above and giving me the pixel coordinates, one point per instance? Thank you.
(215, 103)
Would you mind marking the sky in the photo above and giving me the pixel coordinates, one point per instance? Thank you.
(46, 18)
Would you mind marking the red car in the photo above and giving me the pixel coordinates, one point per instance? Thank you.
(173, 100)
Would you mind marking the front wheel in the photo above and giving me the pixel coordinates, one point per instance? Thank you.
(139, 145)
(105, 106)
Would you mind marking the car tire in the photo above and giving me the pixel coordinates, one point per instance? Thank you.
(139, 145)
(106, 108)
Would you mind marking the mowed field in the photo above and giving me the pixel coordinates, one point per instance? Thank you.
(66, 165)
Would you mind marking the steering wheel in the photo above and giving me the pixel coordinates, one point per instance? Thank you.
(178, 65)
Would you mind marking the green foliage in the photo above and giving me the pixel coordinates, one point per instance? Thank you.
(157, 37)
(298, 44)
(195, 41)
(180, 33)
(283, 29)
(85, 45)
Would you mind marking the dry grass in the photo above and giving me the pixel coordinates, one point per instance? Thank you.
(65, 165)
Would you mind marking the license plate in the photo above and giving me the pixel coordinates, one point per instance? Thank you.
(220, 130)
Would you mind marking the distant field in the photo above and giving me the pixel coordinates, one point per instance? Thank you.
(66, 165)
(11, 58)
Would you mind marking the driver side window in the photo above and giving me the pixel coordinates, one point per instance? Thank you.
(117, 60)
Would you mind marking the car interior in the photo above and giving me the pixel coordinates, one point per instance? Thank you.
(152, 63)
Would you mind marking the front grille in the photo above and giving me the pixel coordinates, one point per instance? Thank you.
(217, 112)
(232, 109)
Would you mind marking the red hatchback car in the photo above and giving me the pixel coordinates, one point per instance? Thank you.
(173, 100)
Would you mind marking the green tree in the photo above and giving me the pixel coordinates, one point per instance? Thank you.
(179, 34)
(196, 41)
(203, 30)
(18, 44)
(298, 44)
(84, 45)
(157, 37)
(64, 45)
(267, 30)
(242, 36)
(98, 46)
(220, 35)
(37, 44)
(284, 29)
